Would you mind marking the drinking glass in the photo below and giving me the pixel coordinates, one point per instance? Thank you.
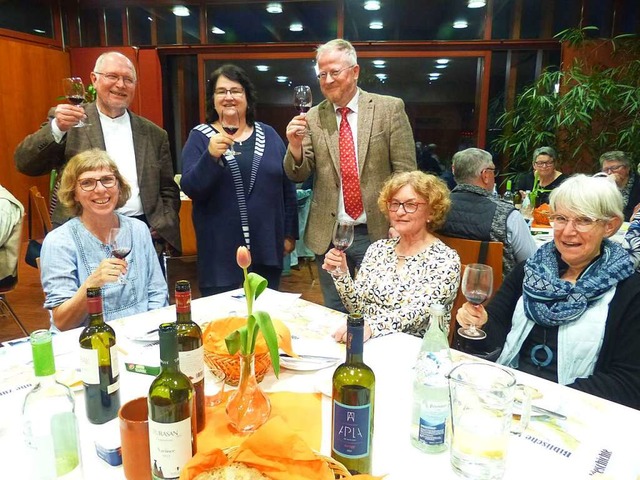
(342, 239)
(302, 100)
(74, 91)
(477, 286)
(230, 120)
(120, 243)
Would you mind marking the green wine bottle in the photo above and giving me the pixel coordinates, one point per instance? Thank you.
(190, 349)
(49, 419)
(352, 404)
(99, 363)
(172, 418)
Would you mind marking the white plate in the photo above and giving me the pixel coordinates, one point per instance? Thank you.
(144, 337)
(305, 365)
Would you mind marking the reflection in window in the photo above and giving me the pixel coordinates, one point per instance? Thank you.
(537, 19)
(90, 27)
(113, 19)
(26, 17)
(140, 25)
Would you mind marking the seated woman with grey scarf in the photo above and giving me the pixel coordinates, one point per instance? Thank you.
(571, 313)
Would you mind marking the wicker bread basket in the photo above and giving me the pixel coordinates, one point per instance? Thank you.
(338, 470)
(230, 365)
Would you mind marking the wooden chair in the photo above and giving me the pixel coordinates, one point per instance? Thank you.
(9, 285)
(41, 208)
(473, 251)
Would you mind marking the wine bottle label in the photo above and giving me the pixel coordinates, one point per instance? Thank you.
(183, 302)
(170, 447)
(192, 364)
(115, 366)
(90, 365)
(351, 429)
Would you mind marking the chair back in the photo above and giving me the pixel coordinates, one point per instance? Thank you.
(473, 251)
(187, 232)
(40, 204)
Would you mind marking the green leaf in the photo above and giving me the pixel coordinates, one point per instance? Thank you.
(271, 338)
(234, 341)
(257, 284)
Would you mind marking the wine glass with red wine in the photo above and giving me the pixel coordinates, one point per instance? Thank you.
(302, 100)
(342, 239)
(230, 121)
(477, 286)
(120, 243)
(74, 91)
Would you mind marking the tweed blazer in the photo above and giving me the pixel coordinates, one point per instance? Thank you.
(39, 153)
(385, 146)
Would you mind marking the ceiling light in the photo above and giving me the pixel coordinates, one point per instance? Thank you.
(281, 79)
(274, 8)
(476, 3)
(442, 61)
(381, 76)
(150, 19)
(375, 25)
(372, 5)
(295, 27)
(379, 63)
(460, 24)
(217, 31)
(262, 68)
(38, 30)
(434, 75)
(180, 11)
(441, 66)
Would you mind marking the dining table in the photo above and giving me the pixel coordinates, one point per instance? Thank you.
(582, 436)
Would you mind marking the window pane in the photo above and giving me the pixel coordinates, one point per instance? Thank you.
(34, 18)
(413, 20)
(252, 23)
(90, 27)
(191, 26)
(166, 26)
(539, 18)
(113, 18)
(140, 24)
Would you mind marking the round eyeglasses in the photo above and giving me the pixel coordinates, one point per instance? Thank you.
(90, 184)
(581, 224)
(409, 207)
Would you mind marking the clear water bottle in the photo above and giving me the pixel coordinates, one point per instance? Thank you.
(430, 414)
(508, 194)
(527, 208)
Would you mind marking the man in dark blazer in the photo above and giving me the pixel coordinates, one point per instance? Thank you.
(139, 147)
(384, 144)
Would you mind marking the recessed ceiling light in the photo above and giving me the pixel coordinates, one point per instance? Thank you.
(281, 79)
(441, 66)
(372, 5)
(442, 61)
(150, 19)
(295, 27)
(379, 63)
(434, 75)
(460, 24)
(476, 3)
(274, 8)
(381, 76)
(180, 11)
(38, 30)
(217, 31)
(262, 68)
(375, 25)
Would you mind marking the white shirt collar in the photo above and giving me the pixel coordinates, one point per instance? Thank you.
(353, 103)
(122, 119)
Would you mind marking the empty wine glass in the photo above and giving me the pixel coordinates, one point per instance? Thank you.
(120, 243)
(342, 239)
(302, 100)
(477, 286)
(74, 91)
(230, 121)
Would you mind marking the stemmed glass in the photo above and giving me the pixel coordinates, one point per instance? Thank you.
(74, 91)
(230, 120)
(120, 243)
(477, 286)
(342, 239)
(302, 100)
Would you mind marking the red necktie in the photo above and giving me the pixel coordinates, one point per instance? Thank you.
(349, 168)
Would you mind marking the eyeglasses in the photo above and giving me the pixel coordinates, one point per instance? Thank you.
(333, 74)
(409, 207)
(612, 169)
(581, 224)
(492, 169)
(90, 184)
(113, 78)
(234, 92)
(543, 164)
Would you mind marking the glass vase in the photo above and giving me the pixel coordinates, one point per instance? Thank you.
(248, 407)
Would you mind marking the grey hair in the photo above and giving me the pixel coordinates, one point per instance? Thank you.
(549, 151)
(338, 45)
(100, 60)
(618, 155)
(589, 196)
(469, 163)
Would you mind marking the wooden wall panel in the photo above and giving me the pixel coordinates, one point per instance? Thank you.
(31, 83)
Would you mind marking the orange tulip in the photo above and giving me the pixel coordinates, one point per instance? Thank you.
(243, 257)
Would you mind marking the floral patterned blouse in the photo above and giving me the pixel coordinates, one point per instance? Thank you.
(393, 300)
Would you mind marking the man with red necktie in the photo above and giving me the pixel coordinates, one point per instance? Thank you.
(351, 142)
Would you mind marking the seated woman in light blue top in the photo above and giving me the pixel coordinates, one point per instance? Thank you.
(76, 255)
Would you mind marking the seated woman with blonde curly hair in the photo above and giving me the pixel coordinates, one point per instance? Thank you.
(401, 276)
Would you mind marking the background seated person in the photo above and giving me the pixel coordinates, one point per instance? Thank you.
(544, 161)
(400, 277)
(76, 255)
(617, 165)
(571, 313)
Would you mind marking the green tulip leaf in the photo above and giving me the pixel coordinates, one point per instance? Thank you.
(271, 337)
(257, 284)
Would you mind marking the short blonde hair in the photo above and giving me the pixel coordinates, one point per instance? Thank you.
(94, 159)
(590, 196)
(433, 190)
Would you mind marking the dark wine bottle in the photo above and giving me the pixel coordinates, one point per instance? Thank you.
(99, 363)
(172, 418)
(352, 404)
(190, 349)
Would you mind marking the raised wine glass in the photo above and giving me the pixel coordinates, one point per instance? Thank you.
(302, 100)
(230, 121)
(74, 91)
(477, 286)
(342, 239)
(120, 243)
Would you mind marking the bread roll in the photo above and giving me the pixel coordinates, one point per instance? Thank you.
(234, 471)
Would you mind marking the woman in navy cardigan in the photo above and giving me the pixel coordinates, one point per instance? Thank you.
(238, 200)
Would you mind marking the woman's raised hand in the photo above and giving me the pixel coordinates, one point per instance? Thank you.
(219, 143)
(335, 259)
(470, 314)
